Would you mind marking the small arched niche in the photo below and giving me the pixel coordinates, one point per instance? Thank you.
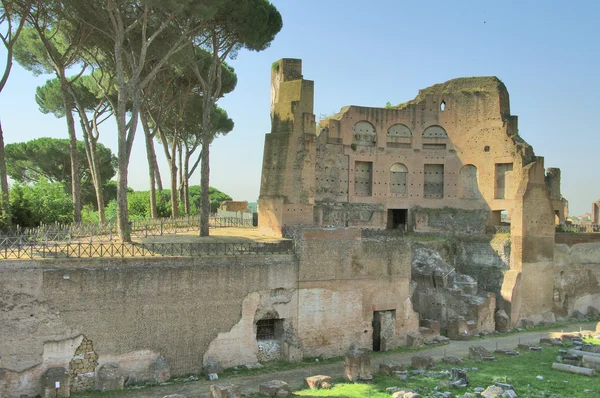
(469, 186)
(398, 178)
(399, 136)
(364, 134)
(435, 132)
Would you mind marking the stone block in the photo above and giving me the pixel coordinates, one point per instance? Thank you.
(212, 365)
(527, 323)
(478, 352)
(109, 378)
(389, 367)
(598, 327)
(441, 340)
(452, 360)
(422, 362)
(458, 329)
(316, 382)
(428, 334)
(225, 390)
(502, 321)
(550, 341)
(578, 315)
(291, 352)
(274, 388)
(509, 394)
(49, 381)
(492, 391)
(414, 339)
(431, 324)
(357, 364)
(160, 370)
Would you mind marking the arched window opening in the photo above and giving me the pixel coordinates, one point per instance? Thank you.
(469, 186)
(443, 106)
(435, 132)
(364, 134)
(398, 178)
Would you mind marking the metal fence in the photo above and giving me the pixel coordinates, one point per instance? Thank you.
(85, 232)
(109, 249)
(582, 229)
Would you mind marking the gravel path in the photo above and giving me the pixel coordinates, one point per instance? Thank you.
(295, 377)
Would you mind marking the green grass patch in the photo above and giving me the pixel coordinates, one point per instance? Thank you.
(520, 371)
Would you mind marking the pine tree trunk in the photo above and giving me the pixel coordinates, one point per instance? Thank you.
(75, 178)
(186, 184)
(204, 187)
(97, 179)
(4, 198)
(174, 196)
(151, 157)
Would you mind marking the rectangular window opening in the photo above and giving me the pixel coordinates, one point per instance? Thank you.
(269, 329)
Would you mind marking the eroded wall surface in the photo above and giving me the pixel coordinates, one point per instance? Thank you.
(344, 279)
(132, 310)
(576, 278)
(157, 317)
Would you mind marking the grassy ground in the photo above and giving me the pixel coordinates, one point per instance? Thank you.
(520, 371)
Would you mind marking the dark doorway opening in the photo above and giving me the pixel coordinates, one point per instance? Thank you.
(376, 332)
(397, 218)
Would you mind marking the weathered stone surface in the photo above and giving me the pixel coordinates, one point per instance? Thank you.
(457, 374)
(598, 327)
(502, 321)
(509, 394)
(225, 390)
(414, 339)
(357, 364)
(316, 382)
(431, 324)
(109, 378)
(452, 360)
(441, 340)
(578, 315)
(422, 362)
(593, 312)
(492, 391)
(405, 394)
(389, 367)
(458, 329)
(50, 378)
(273, 388)
(550, 341)
(527, 323)
(478, 352)
(130, 380)
(212, 365)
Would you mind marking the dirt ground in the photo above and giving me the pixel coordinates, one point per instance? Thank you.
(295, 377)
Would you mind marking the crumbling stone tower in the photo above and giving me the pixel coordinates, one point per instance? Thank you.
(287, 190)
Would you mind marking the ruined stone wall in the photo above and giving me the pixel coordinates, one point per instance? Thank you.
(451, 154)
(576, 278)
(344, 278)
(157, 317)
(133, 311)
(288, 182)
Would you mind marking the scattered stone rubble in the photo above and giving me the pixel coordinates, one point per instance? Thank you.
(319, 382)
(357, 365)
(225, 390)
(275, 388)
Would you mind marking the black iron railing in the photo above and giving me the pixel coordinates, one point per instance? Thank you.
(110, 249)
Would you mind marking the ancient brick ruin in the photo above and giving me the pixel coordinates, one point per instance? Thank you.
(449, 162)
(431, 217)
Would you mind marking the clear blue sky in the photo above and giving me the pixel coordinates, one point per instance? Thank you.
(367, 53)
